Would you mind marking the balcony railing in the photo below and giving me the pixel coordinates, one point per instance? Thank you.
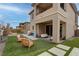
(51, 11)
(45, 13)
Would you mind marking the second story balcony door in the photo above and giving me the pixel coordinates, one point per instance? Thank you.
(41, 7)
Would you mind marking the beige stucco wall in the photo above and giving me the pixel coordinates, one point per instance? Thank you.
(70, 26)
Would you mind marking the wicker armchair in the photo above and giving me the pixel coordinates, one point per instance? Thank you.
(26, 42)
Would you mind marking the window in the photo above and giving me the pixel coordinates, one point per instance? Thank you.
(32, 27)
(32, 16)
(62, 6)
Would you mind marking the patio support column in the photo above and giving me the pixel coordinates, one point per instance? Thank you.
(63, 30)
(34, 30)
(56, 30)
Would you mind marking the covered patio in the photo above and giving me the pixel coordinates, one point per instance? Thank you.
(53, 28)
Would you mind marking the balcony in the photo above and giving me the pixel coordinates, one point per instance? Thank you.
(45, 13)
(43, 10)
(48, 10)
(41, 7)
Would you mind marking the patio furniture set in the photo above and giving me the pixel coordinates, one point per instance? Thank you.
(27, 39)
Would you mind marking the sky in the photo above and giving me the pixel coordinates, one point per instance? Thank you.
(15, 13)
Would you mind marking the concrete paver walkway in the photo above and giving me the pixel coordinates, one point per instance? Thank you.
(74, 52)
(57, 51)
(63, 47)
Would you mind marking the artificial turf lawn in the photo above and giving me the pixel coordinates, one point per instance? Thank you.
(14, 48)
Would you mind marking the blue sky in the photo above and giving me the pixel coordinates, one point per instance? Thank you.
(14, 13)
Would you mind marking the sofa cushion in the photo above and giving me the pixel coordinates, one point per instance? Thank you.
(44, 35)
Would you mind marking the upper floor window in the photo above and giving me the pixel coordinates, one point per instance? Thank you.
(32, 16)
(62, 6)
(32, 27)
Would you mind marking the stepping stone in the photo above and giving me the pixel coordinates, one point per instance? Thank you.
(57, 51)
(45, 54)
(63, 47)
(74, 52)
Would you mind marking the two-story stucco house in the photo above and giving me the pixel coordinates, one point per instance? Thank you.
(58, 20)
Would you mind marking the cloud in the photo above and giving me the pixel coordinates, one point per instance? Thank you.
(10, 8)
(27, 10)
(1, 16)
